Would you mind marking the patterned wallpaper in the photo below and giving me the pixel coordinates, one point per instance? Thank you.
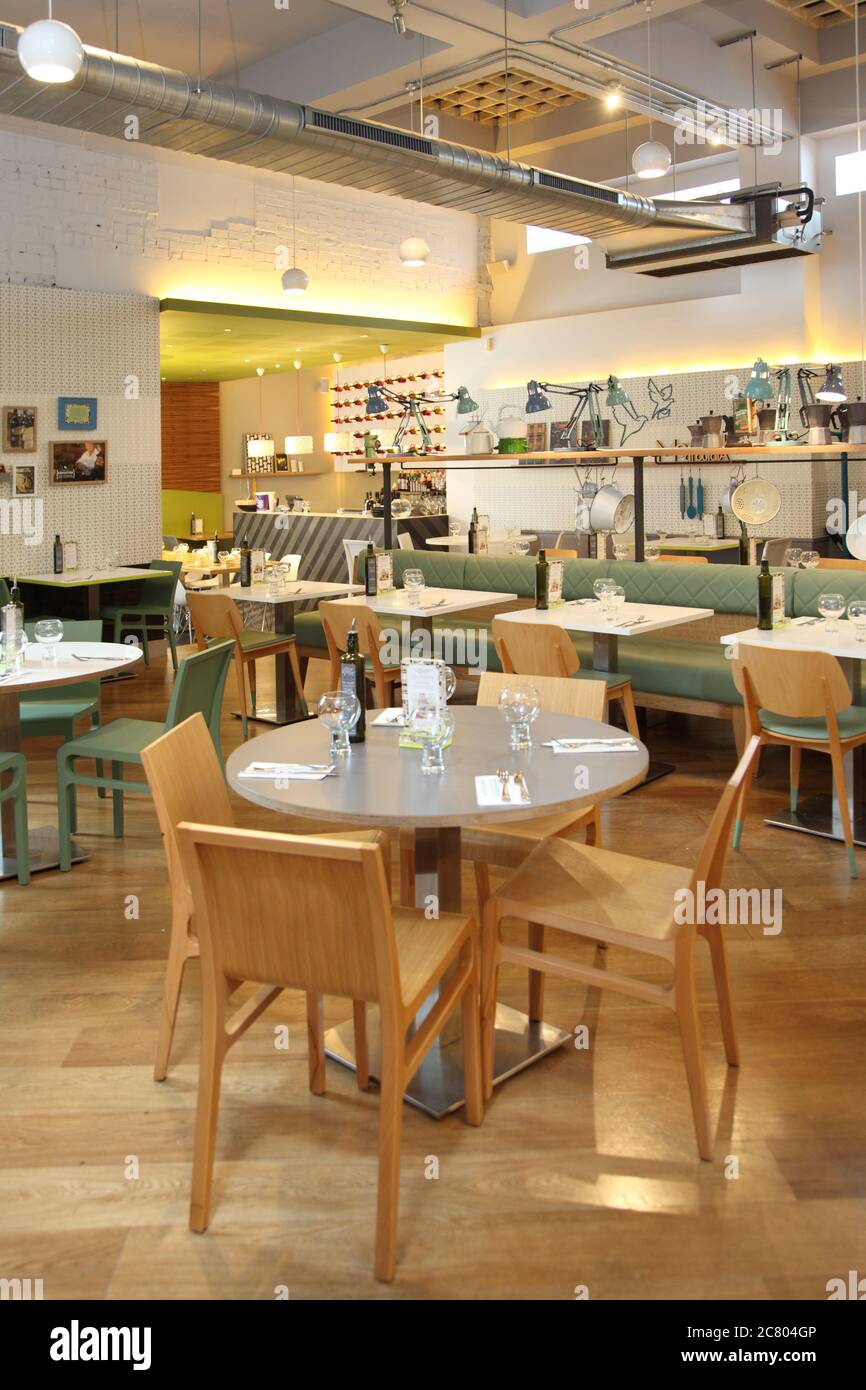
(58, 342)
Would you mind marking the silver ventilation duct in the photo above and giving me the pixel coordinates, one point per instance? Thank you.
(217, 121)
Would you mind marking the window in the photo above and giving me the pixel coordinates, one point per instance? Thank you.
(706, 190)
(545, 239)
(851, 173)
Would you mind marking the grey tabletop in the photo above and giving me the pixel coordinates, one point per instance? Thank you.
(381, 784)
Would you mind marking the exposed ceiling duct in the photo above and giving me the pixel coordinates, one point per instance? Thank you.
(175, 111)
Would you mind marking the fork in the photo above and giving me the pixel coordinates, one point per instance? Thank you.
(504, 778)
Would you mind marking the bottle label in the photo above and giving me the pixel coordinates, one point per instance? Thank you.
(555, 570)
(384, 573)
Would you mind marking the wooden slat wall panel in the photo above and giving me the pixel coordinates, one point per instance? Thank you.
(191, 435)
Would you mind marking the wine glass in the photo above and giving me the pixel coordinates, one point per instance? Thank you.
(662, 533)
(413, 583)
(620, 550)
(857, 616)
(272, 584)
(454, 528)
(521, 706)
(450, 683)
(809, 559)
(520, 547)
(432, 728)
(831, 607)
(652, 553)
(339, 712)
(600, 587)
(48, 632)
(793, 555)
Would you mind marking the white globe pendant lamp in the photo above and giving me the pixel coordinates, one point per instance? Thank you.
(49, 51)
(652, 159)
(414, 252)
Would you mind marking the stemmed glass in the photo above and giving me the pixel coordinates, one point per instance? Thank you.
(651, 553)
(857, 616)
(432, 728)
(521, 706)
(793, 556)
(600, 587)
(48, 632)
(454, 528)
(520, 547)
(339, 712)
(620, 551)
(831, 607)
(809, 559)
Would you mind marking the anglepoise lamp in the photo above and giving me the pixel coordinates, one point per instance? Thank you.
(586, 398)
(381, 397)
(784, 392)
(759, 387)
(833, 391)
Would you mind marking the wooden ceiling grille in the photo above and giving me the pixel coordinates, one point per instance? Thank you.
(484, 99)
(822, 14)
(191, 436)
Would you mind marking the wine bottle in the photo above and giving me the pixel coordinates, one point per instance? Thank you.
(352, 681)
(765, 598)
(58, 555)
(473, 532)
(17, 616)
(541, 580)
(370, 585)
(720, 523)
(246, 570)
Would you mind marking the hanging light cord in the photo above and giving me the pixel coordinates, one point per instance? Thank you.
(649, 63)
(627, 151)
(117, 26)
(421, 88)
(294, 227)
(507, 80)
(198, 49)
(754, 106)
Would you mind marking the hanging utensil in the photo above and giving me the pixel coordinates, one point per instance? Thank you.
(691, 509)
(700, 493)
(682, 494)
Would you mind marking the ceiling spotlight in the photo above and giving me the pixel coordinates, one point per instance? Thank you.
(49, 51)
(414, 251)
(398, 17)
(613, 100)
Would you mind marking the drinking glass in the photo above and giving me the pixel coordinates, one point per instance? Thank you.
(521, 706)
(450, 682)
(651, 553)
(432, 728)
(112, 560)
(809, 559)
(620, 551)
(14, 650)
(662, 533)
(48, 632)
(520, 547)
(612, 601)
(600, 587)
(857, 616)
(454, 528)
(223, 555)
(284, 574)
(413, 583)
(793, 555)
(339, 712)
(831, 607)
(272, 586)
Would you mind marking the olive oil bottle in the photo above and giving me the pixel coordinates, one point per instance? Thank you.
(765, 598)
(352, 681)
(541, 581)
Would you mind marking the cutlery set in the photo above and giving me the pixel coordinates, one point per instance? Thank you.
(506, 778)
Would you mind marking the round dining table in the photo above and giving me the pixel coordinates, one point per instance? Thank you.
(380, 785)
(75, 662)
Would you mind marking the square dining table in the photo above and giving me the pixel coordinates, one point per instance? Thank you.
(91, 581)
(436, 603)
(819, 815)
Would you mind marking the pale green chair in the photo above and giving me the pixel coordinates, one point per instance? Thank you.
(156, 605)
(53, 713)
(17, 789)
(198, 689)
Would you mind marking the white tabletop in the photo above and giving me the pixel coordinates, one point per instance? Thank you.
(699, 542)
(436, 601)
(73, 578)
(805, 636)
(588, 617)
(296, 591)
(102, 659)
(494, 538)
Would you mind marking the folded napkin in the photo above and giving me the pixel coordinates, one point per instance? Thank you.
(593, 745)
(287, 772)
(488, 792)
(392, 718)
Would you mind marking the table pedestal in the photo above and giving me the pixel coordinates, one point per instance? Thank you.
(437, 1087)
(605, 657)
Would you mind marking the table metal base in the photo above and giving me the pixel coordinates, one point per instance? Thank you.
(437, 1086)
(653, 773)
(44, 853)
(815, 817)
(267, 714)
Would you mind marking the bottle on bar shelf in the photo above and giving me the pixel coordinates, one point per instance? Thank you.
(352, 680)
(541, 581)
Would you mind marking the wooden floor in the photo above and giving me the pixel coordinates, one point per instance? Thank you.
(585, 1170)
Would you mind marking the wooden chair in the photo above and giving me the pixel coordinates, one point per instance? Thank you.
(215, 617)
(561, 554)
(337, 618)
(334, 933)
(827, 564)
(187, 783)
(799, 700)
(683, 559)
(536, 649)
(621, 900)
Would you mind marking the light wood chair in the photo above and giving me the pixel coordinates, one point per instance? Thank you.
(337, 618)
(825, 563)
(800, 700)
(215, 616)
(621, 900)
(537, 649)
(187, 783)
(334, 933)
(683, 559)
(561, 554)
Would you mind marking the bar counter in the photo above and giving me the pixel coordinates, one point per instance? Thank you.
(318, 536)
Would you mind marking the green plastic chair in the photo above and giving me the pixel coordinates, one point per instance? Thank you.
(198, 689)
(17, 788)
(157, 603)
(52, 713)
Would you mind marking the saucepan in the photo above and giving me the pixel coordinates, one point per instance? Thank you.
(611, 510)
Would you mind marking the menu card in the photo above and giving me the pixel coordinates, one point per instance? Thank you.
(779, 618)
(555, 569)
(257, 567)
(482, 535)
(423, 682)
(384, 574)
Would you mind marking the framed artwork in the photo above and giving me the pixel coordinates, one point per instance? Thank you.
(281, 463)
(536, 437)
(76, 412)
(79, 461)
(19, 429)
(24, 480)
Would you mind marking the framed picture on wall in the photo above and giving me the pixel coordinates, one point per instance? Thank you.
(536, 437)
(281, 463)
(76, 412)
(24, 480)
(79, 461)
(19, 429)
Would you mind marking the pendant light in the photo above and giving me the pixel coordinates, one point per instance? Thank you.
(49, 51)
(295, 280)
(260, 448)
(652, 159)
(298, 443)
